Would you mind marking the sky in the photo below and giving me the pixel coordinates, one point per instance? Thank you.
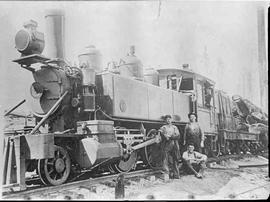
(217, 39)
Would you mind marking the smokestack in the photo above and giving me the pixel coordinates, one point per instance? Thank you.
(55, 33)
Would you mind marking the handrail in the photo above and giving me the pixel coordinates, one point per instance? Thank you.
(15, 107)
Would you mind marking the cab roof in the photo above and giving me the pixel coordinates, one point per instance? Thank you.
(188, 73)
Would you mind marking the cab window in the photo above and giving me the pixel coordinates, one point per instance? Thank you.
(172, 82)
(208, 94)
(186, 84)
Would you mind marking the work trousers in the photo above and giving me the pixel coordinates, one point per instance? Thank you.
(194, 168)
(170, 159)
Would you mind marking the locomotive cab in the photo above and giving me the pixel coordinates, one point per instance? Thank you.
(199, 88)
(201, 98)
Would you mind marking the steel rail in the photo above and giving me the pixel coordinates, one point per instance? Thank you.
(96, 180)
(253, 165)
(225, 157)
(89, 182)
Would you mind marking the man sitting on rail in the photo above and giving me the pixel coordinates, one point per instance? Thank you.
(194, 162)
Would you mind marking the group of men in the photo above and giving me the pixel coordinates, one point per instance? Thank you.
(193, 141)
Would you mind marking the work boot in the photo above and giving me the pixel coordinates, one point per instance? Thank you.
(199, 176)
(176, 177)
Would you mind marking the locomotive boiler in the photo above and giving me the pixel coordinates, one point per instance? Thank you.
(89, 118)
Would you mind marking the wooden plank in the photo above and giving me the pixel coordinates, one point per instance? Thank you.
(6, 152)
(20, 164)
(10, 185)
(252, 165)
(9, 165)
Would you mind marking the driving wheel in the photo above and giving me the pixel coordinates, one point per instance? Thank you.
(127, 162)
(153, 153)
(55, 171)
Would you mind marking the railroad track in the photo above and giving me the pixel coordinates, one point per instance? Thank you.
(88, 183)
(226, 157)
(235, 156)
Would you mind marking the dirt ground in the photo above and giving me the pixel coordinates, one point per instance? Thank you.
(224, 181)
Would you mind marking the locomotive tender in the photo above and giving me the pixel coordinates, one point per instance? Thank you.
(94, 119)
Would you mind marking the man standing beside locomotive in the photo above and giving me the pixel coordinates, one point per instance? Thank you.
(170, 136)
(193, 133)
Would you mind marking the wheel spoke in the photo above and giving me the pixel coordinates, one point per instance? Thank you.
(55, 176)
(50, 163)
(61, 174)
(58, 154)
(150, 158)
(50, 172)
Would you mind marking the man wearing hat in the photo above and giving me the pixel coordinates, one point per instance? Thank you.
(194, 162)
(193, 133)
(170, 136)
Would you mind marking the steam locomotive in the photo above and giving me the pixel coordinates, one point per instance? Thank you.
(89, 118)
